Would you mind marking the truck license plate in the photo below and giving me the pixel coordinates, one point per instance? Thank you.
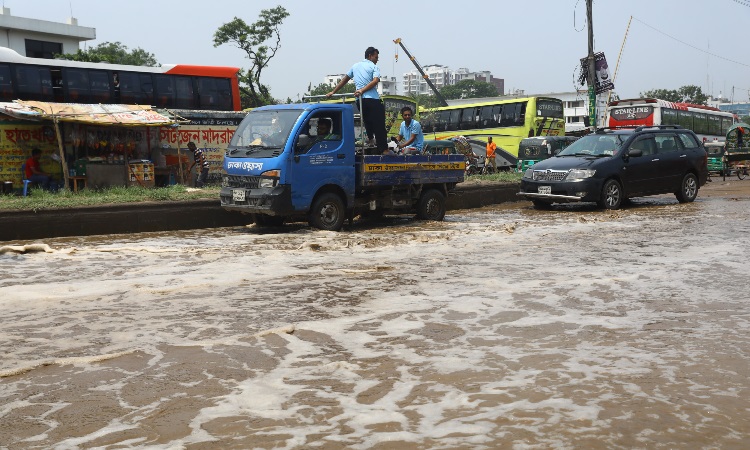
(545, 190)
(238, 195)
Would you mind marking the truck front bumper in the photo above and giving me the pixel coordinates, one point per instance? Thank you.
(276, 201)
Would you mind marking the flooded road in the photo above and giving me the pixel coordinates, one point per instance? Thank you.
(502, 327)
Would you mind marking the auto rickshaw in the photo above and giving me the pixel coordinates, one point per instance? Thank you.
(534, 149)
(715, 152)
(737, 150)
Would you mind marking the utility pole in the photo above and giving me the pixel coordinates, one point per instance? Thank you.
(591, 66)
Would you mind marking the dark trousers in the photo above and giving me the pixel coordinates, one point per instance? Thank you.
(374, 115)
(202, 177)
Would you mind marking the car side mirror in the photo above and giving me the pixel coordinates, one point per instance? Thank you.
(303, 142)
(635, 152)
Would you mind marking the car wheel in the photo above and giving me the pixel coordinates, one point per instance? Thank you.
(688, 189)
(611, 197)
(541, 204)
(327, 212)
(431, 205)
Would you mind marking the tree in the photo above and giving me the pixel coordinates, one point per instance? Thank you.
(113, 53)
(469, 89)
(686, 94)
(251, 39)
(324, 88)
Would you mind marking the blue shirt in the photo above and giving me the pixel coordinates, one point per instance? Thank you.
(414, 129)
(363, 73)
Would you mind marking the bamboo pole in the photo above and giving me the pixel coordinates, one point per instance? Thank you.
(63, 160)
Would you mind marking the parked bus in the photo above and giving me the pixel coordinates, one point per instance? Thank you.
(393, 105)
(710, 124)
(174, 86)
(508, 121)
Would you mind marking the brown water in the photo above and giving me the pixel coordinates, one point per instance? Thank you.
(503, 327)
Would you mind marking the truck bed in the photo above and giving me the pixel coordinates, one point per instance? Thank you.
(394, 170)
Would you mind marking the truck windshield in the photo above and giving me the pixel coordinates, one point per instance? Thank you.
(263, 133)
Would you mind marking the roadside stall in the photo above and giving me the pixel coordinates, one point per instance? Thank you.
(83, 144)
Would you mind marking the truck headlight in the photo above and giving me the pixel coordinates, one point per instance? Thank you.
(270, 178)
(579, 174)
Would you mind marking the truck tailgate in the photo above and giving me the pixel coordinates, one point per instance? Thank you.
(394, 170)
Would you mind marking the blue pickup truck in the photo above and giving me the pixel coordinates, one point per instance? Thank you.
(302, 161)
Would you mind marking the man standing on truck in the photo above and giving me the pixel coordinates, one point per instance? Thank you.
(410, 132)
(366, 76)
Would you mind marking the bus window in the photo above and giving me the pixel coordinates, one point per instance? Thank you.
(427, 122)
(6, 86)
(214, 93)
(700, 122)
(33, 83)
(726, 122)
(453, 120)
(486, 117)
(467, 120)
(100, 92)
(77, 86)
(685, 119)
(135, 89)
(164, 91)
(184, 97)
(714, 125)
(512, 115)
(669, 117)
(441, 120)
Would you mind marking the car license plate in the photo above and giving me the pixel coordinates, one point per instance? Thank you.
(545, 190)
(238, 195)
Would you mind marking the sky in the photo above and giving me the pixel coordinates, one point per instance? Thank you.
(533, 46)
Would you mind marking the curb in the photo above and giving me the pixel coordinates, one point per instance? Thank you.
(187, 215)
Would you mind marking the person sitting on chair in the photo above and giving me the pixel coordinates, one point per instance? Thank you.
(34, 171)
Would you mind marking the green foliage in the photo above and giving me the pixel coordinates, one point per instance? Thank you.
(39, 199)
(685, 94)
(324, 88)
(252, 39)
(113, 53)
(469, 89)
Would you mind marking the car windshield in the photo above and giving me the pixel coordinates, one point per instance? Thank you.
(596, 145)
(263, 133)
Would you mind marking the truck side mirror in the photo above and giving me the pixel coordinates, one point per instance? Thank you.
(303, 143)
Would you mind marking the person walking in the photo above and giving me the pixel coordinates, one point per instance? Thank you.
(366, 76)
(491, 148)
(410, 133)
(199, 159)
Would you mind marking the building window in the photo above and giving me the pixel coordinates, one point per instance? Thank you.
(42, 49)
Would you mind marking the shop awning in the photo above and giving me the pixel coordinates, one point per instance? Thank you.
(94, 114)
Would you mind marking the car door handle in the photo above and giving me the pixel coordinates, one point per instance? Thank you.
(683, 156)
(655, 159)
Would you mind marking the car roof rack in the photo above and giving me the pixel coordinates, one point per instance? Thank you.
(659, 127)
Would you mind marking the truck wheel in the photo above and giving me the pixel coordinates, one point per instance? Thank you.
(263, 220)
(327, 212)
(431, 205)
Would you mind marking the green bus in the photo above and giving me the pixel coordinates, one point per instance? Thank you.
(507, 121)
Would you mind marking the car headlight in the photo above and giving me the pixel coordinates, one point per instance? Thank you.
(529, 173)
(579, 174)
(270, 178)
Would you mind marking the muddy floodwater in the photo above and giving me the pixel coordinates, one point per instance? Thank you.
(502, 327)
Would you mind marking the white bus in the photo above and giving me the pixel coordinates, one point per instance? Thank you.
(710, 124)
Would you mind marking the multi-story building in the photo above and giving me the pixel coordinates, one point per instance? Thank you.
(40, 38)
(440, 76)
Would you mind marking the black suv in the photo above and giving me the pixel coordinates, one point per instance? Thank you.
(612, 165)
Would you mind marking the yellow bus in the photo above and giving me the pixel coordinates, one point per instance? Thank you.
(507, 121)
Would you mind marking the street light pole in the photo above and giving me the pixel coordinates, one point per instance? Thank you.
(591, 66)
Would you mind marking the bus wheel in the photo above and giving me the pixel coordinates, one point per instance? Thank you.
(327, 212)
(431, 205)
